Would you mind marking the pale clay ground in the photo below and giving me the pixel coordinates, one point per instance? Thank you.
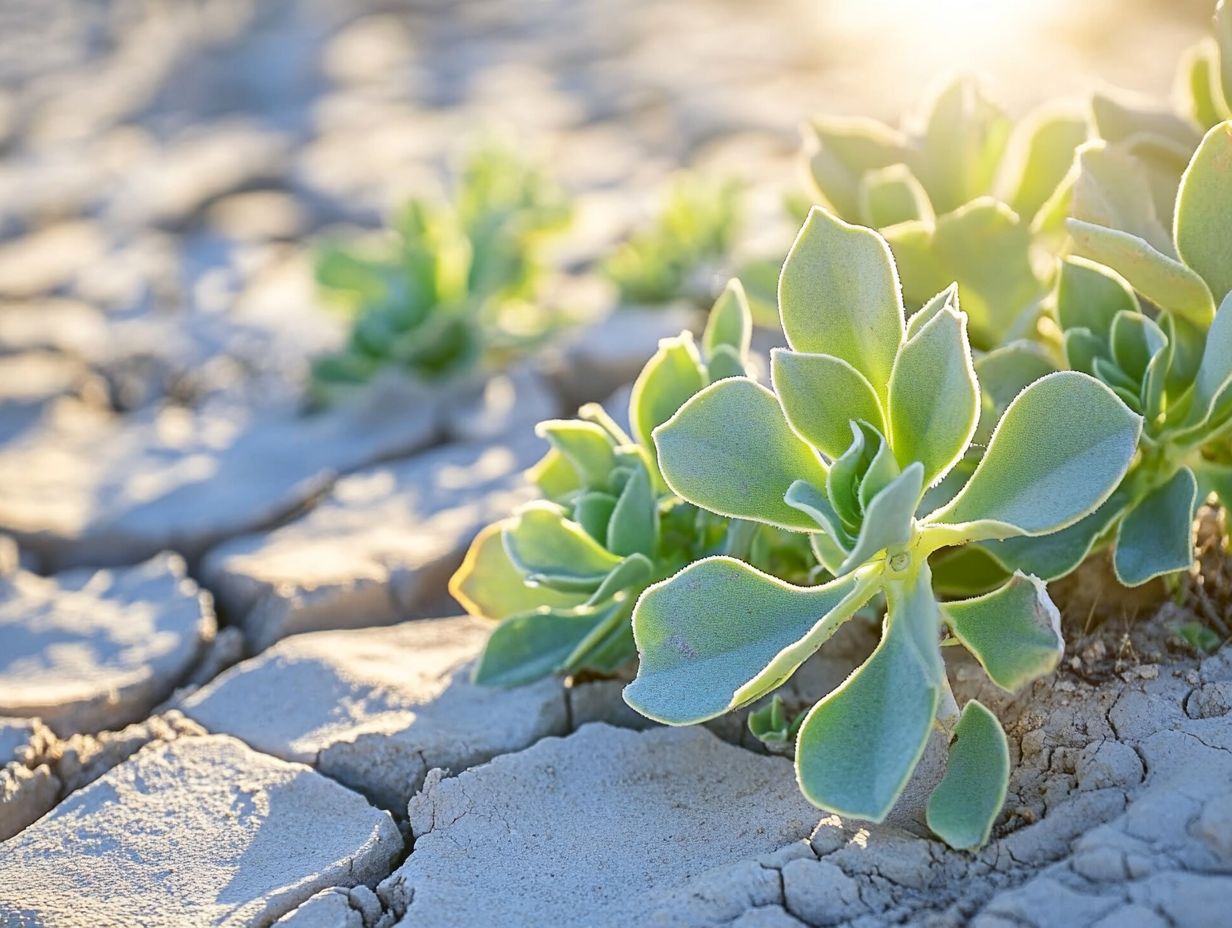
(220, 701)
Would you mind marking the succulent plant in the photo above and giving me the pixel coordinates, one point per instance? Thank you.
(685, 249)
(1170, 361)
(562, 574)
(451, 285)
(960, 195)
(869, 411)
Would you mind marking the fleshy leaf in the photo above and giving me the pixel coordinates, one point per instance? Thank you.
(724, 362)
(934, 398)
(892, 195)
(730, 322)
(1113, 190)
(966, 571)
(1041, 151)
(858, 747)
(966, 802)
(887, 521)
(807, 498)
(985, 246)
(593, 511)
(1198, 84)
(533, 645)
(1204, 211)
(555, 477)
(821, 396)
(1157, 535)
(587, 446)
(670, 377)
(1090, 295)
(730, 450)
(549, 549)
(1014, 631)
(1162, 280)
(840, 149)
(489, 585)
(634, 525)
(964, 138)
(1059, 451)
(719, 626)
(920, 318)
(1214, 375)
(1055, 555)
(839, 294)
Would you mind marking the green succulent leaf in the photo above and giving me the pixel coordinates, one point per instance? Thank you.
(839, 295)
(720, 634)
(489, 585)
(730, 450)
(1014, 631)
(1041, 151)
(634, 525)
(1214, 376)
(533, 645)
(964, 139)
(920, 318)
(1156, 537)
(807, 498)
(821, 395)
(858, 747)
(840, 150)
(1059, 451)
(1164, 281)
(1198, 83)
(844, 479)
(1055, 555)
(549, 549)
(1113, 190)
(1204, 211)
(966, 802)
(891, 195)
(1089, 295)
(586, 445)
(889, 517)
(556, 478)
(672, 375)
(593, 511)
(771, 725)
(934, 398)
(730, 322)
(1135, 342)
(985, 246)
(725, 362)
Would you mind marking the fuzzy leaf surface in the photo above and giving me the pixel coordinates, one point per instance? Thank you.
(720, 625)
(966, 802)
(729, 449)
(839, 294)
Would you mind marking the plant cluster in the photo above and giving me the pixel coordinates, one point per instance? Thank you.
(562, 574)
(451, 285)
(1064, 388)
(961, 194)
(679, 255)
(866, 413)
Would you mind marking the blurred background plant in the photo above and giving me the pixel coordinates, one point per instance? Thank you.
(452, 284)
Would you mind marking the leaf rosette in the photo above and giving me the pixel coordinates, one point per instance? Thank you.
(868, 413)
(562, 574)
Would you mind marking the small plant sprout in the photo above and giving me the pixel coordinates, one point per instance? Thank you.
(451, 285)
(867, 412)
(963, 195)
(1171, 363)
(686, 248)
(561, 574)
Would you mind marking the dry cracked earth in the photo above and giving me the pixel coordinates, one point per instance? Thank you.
(233, 690)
